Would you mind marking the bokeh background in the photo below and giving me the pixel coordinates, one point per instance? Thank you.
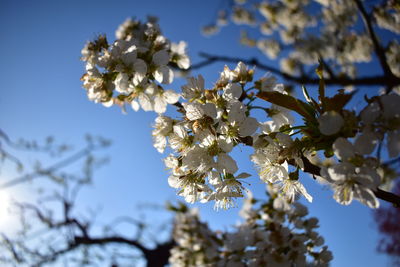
(41, 95)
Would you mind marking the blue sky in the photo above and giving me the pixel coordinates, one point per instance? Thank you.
(41, 95)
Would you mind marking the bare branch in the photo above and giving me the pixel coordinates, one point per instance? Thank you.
(382, 80)
(379, 50)
(58, 165)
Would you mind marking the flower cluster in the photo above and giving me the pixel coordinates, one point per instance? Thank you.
(356, 175)
(214, 121)
(130, 70)
(274, 233)
(311, 29)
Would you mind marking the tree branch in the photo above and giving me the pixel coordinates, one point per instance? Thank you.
(383, 80)
(58, 165)
(379, 51)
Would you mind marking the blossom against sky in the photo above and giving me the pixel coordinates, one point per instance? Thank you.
(42, 95)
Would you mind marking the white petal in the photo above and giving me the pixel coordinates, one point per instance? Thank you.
(140, 68)
(210, 110)
(248, 127)
(151, 89)
(393, 143)
(391, 107)
(232, 91)
(180, 131)
(340, 172)
(161, 58)
(160, 142)
(145, 102)
(225, 144)
(343, 195)
(370, 113)
(330, 122)
(174, 181)
(237, 112)
(214, 178)
(164, 75)
(171, 162)
(135, 105)
(343, 149)
(284, 139)
(121, 82)
(366, 196)
(365, 143)
(268, 127)
(129, 57)
(227, 163)
(184, 62)
(302, 190)
(160, 105)
(108, 103)
(171, 96)
(193, 111)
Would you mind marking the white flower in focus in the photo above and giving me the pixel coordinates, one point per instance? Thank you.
(280, 116)
(180, 140)
(232, 92)
(269, 170)
(239, 124)
(194, 88)
(145, 97)
(195, 111)
(164, 97)
(240, 73)
(350, 182)
(225, 76)
(162, 74)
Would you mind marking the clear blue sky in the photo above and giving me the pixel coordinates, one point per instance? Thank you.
(41, 95)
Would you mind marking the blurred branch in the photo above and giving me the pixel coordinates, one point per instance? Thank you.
(60, 232)
(379, 51)
(383, 80)
(54, 167)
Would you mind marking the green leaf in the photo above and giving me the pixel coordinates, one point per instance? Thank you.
(288, 102)
(338, 101)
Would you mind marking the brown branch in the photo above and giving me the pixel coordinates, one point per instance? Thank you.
(382, 80)
(379, 51)
(157, 256)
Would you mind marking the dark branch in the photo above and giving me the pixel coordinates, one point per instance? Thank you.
(382, 80)
(379, 51)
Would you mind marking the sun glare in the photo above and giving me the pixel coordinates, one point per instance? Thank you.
(4, 205)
